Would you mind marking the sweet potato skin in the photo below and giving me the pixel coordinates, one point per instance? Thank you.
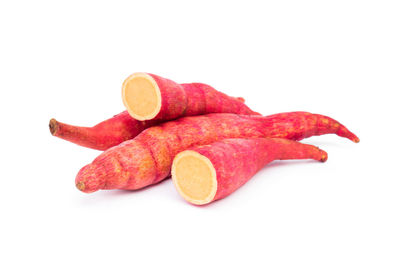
(147, 159)
(237, 160)
(177, 100)
(104, 135)
(189, 99)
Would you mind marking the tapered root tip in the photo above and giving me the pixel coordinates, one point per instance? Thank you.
(86, 187)
(241, 99)
(88, 181)
(80, 186)
(53, 126)
(353, 137)
(324, 156)
(344, 132)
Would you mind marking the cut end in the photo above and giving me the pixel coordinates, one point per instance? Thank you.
(194, 177)
(53, 126)
(141, 96)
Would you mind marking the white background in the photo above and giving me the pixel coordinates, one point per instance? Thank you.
(68, 59)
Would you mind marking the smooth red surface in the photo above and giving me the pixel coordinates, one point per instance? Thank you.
(178, 100)
(104, 135)
(237, 160)
(188, 99)
(147, 158)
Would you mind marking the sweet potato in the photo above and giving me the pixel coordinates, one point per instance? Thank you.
(104, 135)
(177, 100)
(207, 173)
(147, 96)
(147, 158)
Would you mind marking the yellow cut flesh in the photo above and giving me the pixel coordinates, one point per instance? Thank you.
(194, 177)
(141, 96)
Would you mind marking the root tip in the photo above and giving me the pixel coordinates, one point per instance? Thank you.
(324, 156)
(53, 126)
(81, 186)
(241, 99)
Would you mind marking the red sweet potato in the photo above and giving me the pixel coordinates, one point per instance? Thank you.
(207, 173)
(147, 158)
(177, 100)
(148, 96)
(104, 135)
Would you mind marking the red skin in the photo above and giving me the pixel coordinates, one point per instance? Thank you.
(104, 135)
(237, 160)
(196, 99)
(189, 99)
(147, 158)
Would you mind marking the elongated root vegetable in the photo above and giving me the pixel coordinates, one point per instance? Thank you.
(104, 135)
(207, 173)
(122, 127)
(148, 96)
(147, 158)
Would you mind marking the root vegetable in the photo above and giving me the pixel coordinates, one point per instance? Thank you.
(104, 135)
(147, 158)
(207, 173)
(148, 96)
(200, 98)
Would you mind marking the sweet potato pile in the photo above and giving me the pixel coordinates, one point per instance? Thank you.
(210, 143)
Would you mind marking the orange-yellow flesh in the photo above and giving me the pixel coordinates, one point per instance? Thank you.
(141, 96)
(194, 177)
